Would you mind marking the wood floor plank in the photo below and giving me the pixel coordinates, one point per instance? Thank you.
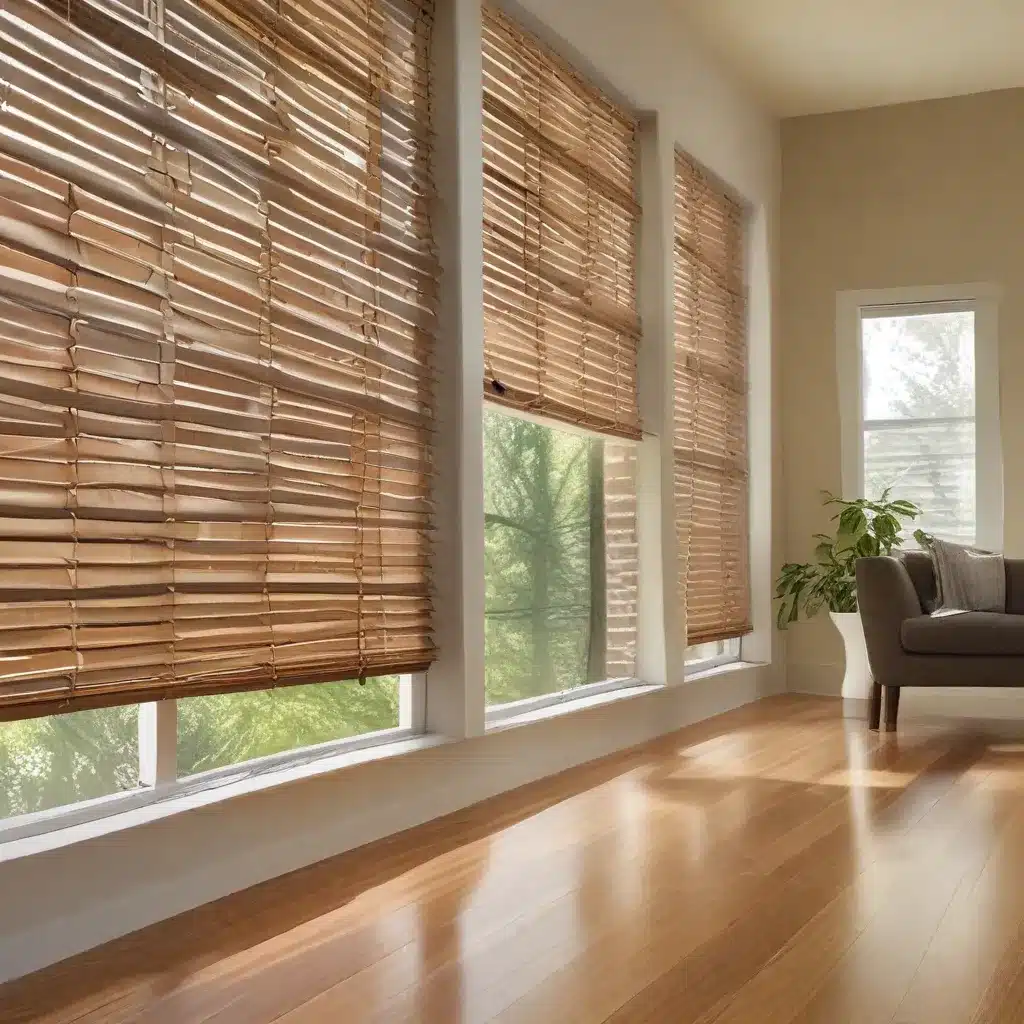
(776, 865)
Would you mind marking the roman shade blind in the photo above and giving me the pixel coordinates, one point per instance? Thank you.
(710, 436)
(560, 316)
(217, 290)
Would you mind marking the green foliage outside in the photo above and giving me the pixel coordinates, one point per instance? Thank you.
(63, 759)
(247, 725)
(49, 762)
(919, 376)
(544, 556)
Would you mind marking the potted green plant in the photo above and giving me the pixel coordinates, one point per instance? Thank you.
(863, 528)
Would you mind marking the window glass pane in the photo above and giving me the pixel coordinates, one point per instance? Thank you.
(919, 429)
(918, 367)
(230, 728)
(715, 650)
(64, 759)
(930, 464)
(559, 559)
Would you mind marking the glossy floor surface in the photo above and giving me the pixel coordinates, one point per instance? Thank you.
(776, 865)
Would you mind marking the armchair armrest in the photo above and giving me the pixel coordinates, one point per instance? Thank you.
(886, 598)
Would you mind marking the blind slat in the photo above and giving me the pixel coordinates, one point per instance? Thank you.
(217, 308)
(710, 429)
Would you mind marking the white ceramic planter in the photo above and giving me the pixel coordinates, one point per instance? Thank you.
(857, 678)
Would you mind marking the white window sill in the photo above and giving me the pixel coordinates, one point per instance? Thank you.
(698, 671)
(117, 813)
(178, 797)
(570, 703)
(242, 780)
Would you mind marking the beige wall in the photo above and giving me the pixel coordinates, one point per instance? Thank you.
(916, 194)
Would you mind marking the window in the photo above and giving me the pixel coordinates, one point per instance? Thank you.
(231, 728)
(919, 396)
(217, 303)
(560, 559)
(217, 328)
(710, 437)
(561, 331)
(709, 655)
(918, 372)
(57, 760)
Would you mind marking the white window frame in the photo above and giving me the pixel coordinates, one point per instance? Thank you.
(733, 654)
(495, 713)
(158, 775)
(852, 307)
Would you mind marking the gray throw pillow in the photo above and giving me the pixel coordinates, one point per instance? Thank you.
(969, 580)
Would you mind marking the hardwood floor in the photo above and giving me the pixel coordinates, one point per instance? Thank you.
(776, 865)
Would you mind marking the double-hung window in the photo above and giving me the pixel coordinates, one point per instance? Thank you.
(923, 424)
(560, 352)
(920, 441)
(710, 435)
(217, 305)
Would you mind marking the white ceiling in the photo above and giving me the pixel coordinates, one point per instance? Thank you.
(813, 56)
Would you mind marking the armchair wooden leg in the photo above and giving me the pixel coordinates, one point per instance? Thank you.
(892, 707)
(875, 707)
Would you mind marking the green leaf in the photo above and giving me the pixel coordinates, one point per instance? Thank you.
(868, 547)
(890, 524)
(853, 521)
(905, 508)
(823, 552)
(780, 617)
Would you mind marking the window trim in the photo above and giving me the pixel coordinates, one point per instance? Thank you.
(26, 826)
(707, 664)
(983, 300)
(158, 778)
(496, 713)
(729, 657)
(170, 804)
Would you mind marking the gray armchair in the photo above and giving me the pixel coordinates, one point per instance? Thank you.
(908, 646)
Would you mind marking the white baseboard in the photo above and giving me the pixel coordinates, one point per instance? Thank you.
(820, 680)
(855, 708)
(825, 680)
(962, 702)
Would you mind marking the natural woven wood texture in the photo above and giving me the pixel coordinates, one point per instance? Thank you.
(776, 865)
(710, 443)
(561, 326)
(217, 291)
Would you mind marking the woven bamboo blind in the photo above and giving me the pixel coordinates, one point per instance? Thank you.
(710, 442)
(560, 317)
(216, 313)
